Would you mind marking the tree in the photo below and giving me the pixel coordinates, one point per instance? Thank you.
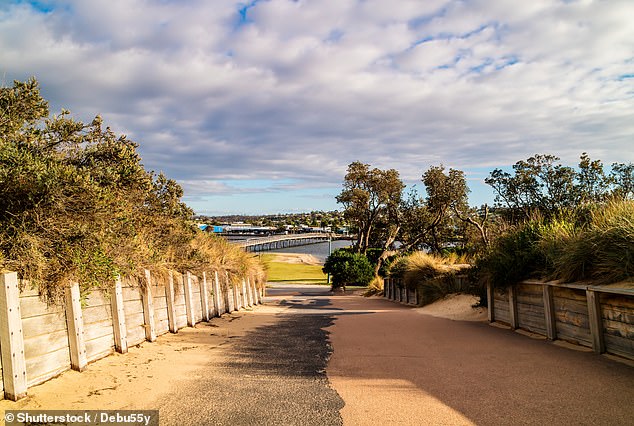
(538, 183)
(436, 220)
(76, 202)
(592, 183)
(446, 194)
(369, 196)
(348, 268)
(623, 178)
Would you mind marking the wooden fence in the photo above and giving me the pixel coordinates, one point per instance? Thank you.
(598, 317)
(394, 289)
(38, 342)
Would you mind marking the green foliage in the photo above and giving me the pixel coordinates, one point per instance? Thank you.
(541, 184)
(348, 268)
(514, 256)
(371, 199)
(591, 243)
(77, 204)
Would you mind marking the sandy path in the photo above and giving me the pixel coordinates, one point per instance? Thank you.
(137, 379)
(394, 364)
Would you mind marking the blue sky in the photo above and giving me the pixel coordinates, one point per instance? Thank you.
(259, 106)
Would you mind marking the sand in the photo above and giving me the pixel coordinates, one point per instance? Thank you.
(458, 307)
(296, 258)
(147, 372)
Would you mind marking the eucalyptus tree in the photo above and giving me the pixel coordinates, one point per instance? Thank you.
(371, 196)
(538, 183)
(623, 178)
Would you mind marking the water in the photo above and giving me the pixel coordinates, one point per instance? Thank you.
(319, 250)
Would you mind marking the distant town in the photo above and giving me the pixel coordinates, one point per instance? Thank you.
(316, 221)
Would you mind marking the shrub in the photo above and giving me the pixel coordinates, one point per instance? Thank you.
(77, 204)
(514, 256)
(433, 276)
(589, 243)
(348, 268)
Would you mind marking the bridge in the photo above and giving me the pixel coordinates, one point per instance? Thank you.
(282, 241)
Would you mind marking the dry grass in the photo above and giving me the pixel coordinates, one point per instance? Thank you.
(433, 276)
(375, 286)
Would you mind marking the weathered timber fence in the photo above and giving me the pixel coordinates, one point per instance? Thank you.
(598, 317)
(394, 289)
(38, 342)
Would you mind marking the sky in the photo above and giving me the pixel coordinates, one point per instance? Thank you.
(258, 107)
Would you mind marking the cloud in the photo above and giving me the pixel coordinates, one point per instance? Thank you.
(292, 91)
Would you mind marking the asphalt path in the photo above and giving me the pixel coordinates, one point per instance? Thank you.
(274, 374)
(319, 359)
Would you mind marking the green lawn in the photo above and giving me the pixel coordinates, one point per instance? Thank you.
(281, 271)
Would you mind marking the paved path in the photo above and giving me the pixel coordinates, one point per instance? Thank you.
(393, 365)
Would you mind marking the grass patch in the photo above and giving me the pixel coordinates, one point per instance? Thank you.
(291, 272)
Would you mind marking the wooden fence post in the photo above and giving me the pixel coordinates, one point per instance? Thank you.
(75, 323)
(189, 302)
(118, 318)
(171, 308)
(218, 300)
(11, 338)
(490, 302)
(513, 307)
(148, 308)
(549, 312)
(596, 322)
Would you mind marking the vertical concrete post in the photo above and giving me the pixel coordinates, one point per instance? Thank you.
(75, 323)
(11, 338)
(204, 297)
(218, 300)
(254, 298)
(250, 292)
(148, 308)
(189, 299)
(237, 302)
(118, 318)
(229, 294)
(171, 308)
(245, 296)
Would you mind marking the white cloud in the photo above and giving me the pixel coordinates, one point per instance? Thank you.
(300, 89)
